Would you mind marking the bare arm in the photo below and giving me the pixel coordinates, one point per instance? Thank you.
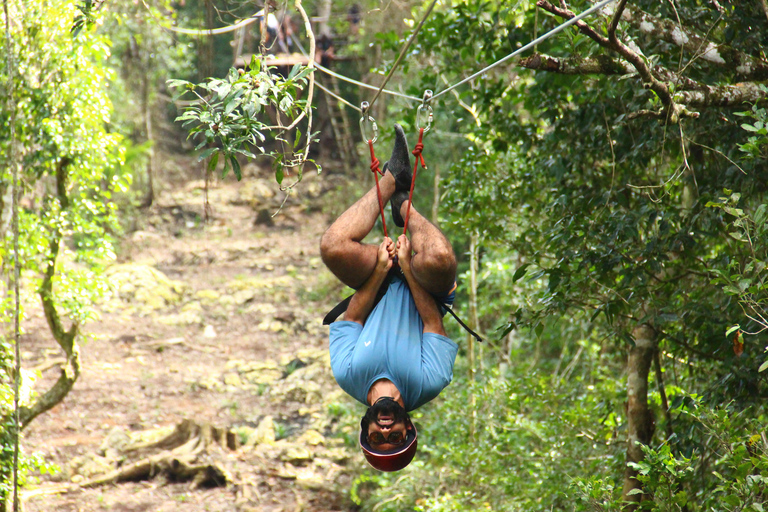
(362, 301)
(425, 302)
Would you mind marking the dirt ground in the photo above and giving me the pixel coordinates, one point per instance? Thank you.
(216, 322)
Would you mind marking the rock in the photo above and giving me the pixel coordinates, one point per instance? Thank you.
(116, 440)
(233, 379)
(91, 465)
(311, 438)
(339, 455)
(190, 317)
(208, 295)
(301, 391)
(233, 364)
(254, 192)
(145, 284)
(209, 332)
(259, 283)
(260, 372)
(295, 454)
(264, 433)
(306, 477)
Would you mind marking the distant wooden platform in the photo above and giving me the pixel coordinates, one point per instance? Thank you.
(281, 59)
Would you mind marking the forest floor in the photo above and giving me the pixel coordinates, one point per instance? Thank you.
(211, 325)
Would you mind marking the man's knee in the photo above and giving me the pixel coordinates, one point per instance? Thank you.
(440, 261)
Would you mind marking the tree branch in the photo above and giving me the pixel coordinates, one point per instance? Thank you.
(65, 339)
(597, 65)
(745, 66)
(723, 95)
(672, 110)
(615, 21)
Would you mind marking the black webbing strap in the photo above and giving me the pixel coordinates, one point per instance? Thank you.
(337, 311)
(465, 326)
(342, 306)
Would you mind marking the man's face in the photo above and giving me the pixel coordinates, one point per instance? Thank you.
(387, 424)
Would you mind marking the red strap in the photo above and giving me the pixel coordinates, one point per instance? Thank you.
(419, 158)
(376, 171)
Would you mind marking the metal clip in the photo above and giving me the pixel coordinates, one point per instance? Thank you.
(425, 107)
(365, 119)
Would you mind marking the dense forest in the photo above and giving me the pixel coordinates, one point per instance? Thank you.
(605, 190)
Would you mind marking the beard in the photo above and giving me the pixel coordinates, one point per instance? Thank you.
(385, 406)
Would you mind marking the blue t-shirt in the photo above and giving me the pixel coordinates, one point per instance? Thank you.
(392, 345)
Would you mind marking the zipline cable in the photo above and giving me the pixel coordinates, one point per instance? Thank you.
(339, 98)
(352, 80)
(16, 264)
(536, 41)
(211, 31)
(404, 49)
(361, 84)
(201, 32)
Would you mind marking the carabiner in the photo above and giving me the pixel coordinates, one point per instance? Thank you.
(368, 118)
(425, 107)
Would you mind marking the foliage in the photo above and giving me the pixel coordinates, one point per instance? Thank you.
(756, 147)
(69, 165)
(730, 474)
(743, 277)
(228, 113)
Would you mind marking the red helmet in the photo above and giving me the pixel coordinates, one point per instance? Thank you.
(394, 460)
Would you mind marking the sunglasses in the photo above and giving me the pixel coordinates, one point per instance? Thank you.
(393, 438)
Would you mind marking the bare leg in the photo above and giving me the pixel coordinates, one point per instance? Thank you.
(433, 263)
(341, 248)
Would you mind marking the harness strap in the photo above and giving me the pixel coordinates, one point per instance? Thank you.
(449, 309)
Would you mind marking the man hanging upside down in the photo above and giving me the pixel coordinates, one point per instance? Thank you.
(392, 355)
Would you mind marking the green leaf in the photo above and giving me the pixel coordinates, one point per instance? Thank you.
(213, 161)
(520, 272)
(285, 103)
(177, 83)
(236, 167)
(230, 106)
(205, 154)
(297, 138)
(732, 329)
(763, 367)
(278, 165)
(225, 170)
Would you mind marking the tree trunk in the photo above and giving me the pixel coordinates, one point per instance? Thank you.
(325, 16)
(640, 424)
(67, 339)
(436, 194)
(150, 197)
(473, 322)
